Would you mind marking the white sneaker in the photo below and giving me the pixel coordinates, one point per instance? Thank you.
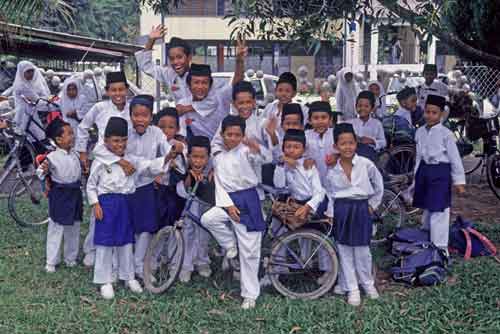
(265, 281)
(323, 278)
(89, 259)
(71, 264)
(107, 291)
(50, 268)
(337, 289)
(134, 286)
(354, 298)
(204, 270)
(248, 303)
(185, 276)
(231, 252)
(372, 292)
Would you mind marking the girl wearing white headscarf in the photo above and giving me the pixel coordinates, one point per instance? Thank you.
(72, 101)
(30, 84)
(378, 90)
(346, 94)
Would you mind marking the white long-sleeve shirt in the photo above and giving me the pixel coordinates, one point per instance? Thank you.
(176, 84)
(99, 115)
(404, 113)
(436, 88)
(438, 145)
(317, 148)
(64, 166)
(366, 182)
(209, 112)
(234, 171)
(151, 144)
(372, 128)
(272, 110)
(111, 179)
(304, 184)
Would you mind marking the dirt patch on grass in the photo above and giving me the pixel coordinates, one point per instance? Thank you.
(478, 204)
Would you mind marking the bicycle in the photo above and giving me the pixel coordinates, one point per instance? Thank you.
(27, 202)
(292, 268)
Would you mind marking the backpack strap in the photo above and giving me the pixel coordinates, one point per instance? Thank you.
(468, 248)
(486, 242)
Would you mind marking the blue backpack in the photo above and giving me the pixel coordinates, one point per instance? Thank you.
(467, 241)
(418, 261)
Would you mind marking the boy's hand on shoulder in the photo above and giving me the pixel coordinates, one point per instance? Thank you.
(366, 141)
(234, 213)
(177, 145)
(127, 167)
(331, 159)
(309, 163)
(183, 109)
(99, 215)
(303, 212)
(252, 145)
(460, 189)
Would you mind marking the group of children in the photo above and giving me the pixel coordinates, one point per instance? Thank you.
(143, 166)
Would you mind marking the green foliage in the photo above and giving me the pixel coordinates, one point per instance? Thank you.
(33, 301)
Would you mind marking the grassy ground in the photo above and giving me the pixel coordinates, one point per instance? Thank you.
(32, 301)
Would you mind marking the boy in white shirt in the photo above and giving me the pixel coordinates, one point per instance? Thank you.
(108, 190)
(355, 188)
(369, 130)
(237, 201)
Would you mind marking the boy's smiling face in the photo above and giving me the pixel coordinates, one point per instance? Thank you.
(244, 104)
(116, 144)
(293, 149)
(199, 86)
(364, 108)
(179, 60)
(320, 121)
(346, 145)
(117, 92)
(168, 125)
(232, 136)
(285, 92)
(410, 103)
(141, 117)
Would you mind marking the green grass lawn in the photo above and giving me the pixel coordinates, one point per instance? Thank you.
(32, 301)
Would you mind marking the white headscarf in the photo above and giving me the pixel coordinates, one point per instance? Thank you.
(381, 108)
(68, 104)
(32, 89)
(346, 95)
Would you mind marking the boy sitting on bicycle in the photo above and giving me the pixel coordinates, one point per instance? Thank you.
(65, 196)
(237, 201)
(196, 250)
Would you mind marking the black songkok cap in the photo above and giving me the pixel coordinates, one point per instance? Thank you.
(288, 77)
(342, 128)
(116, 126)
(113, 77)
(295, 135)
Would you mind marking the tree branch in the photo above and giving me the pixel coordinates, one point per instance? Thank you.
(449, 38)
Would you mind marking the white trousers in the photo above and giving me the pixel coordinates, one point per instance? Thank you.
(438, 223)
(355, 264)
(88, 243)
(196, 241)
(104, 263)
(142, 241)
(56, 233)
(249, 244)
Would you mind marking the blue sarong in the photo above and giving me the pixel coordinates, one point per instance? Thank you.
(248, 202)
(353, 223)
(143, 209)
(433, 187)
(115, 229)
(65, 203)
(169, 205)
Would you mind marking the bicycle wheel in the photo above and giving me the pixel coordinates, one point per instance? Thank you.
(28, 205)
(401, 160)
(294, 271)
(163, 260)
(389, 216)
(9, 175)
(493, 173)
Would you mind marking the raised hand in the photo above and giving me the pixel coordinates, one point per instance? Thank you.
(158, 32)
(252, 144)
(241, 49)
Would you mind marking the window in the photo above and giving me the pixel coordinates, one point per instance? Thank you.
(197, 8)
